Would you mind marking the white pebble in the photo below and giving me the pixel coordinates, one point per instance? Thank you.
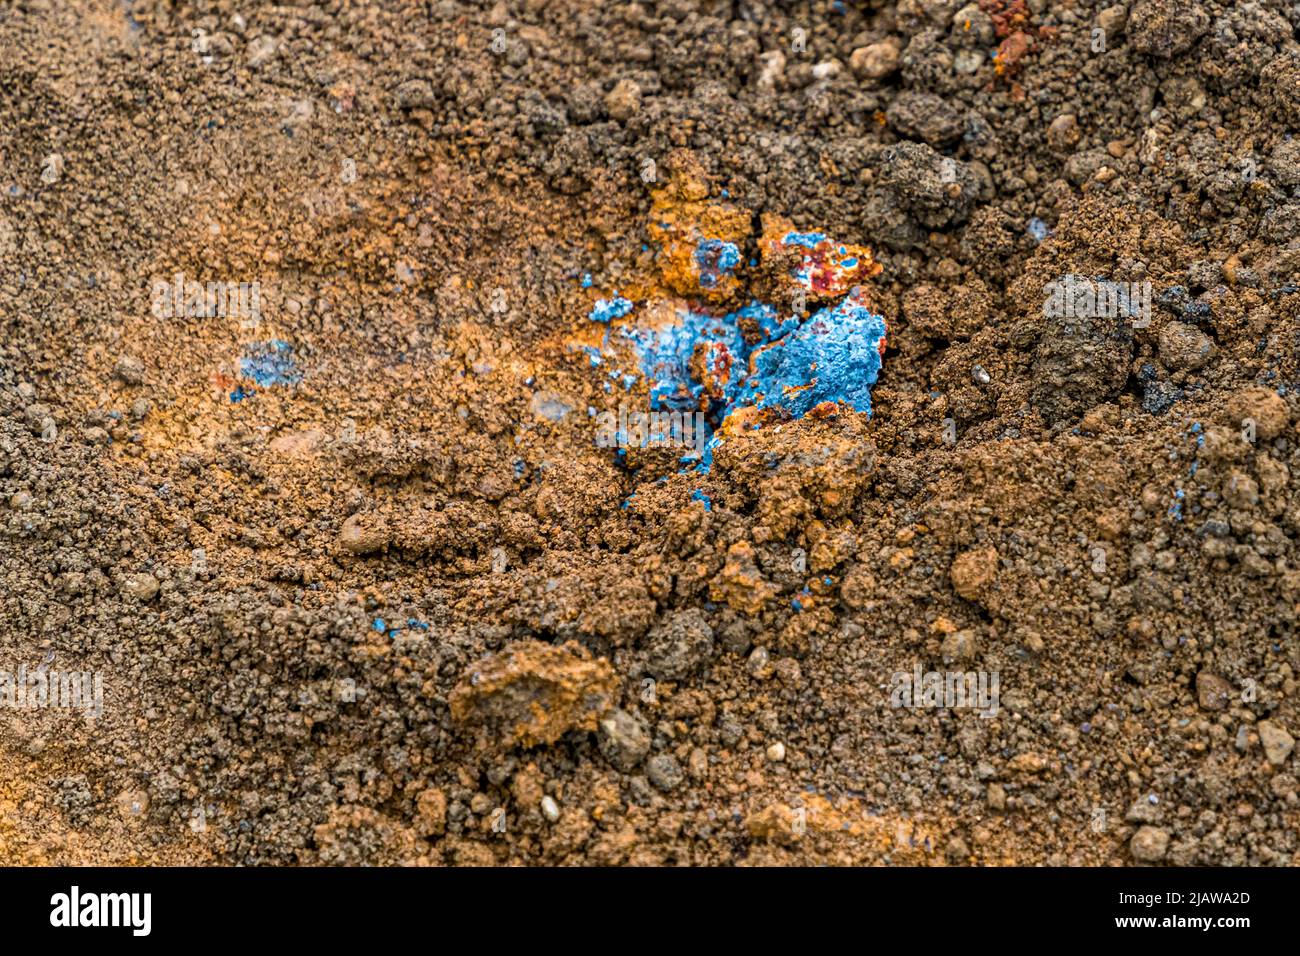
(550, 809)
(52, 168)
(776, 752)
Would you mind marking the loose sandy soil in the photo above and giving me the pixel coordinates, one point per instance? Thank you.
(358, 583)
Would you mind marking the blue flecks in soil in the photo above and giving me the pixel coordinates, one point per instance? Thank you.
(699, 495)
(1176, 509)
(240, 393)
(715, 258)
(391, 630)
(1038, 230)
(1158, 396)
(269, 364)
(1199, 432)
(606, 310)
(809, 240)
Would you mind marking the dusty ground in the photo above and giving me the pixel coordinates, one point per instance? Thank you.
(377, 597)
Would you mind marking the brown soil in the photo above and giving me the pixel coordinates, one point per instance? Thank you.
(404, 610)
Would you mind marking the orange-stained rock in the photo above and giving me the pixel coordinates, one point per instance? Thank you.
(533, 693)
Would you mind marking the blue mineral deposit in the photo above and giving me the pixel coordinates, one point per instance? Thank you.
(833, 357)
(715, 258)
(269, 363)
(757, 358)
(606, 310)
(809, 240)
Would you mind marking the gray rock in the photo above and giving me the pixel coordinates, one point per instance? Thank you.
(623, 739)
(414, 94)
(1284, 162)
(926, 117)
(1281, 223)
(129, 369)
(260, 51)
(664, 772)
(1183, 346)
(679, 646)
(1143, 811)
(1081, 167)
(937, 190)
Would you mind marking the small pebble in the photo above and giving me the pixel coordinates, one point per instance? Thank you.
(52, 168)
(142, 587)
(664, 772)
(550, 809)
(875, 61)
(623, 101)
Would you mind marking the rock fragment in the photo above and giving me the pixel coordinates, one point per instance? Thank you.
(623, 739)
(1264, 407)
(363, 534)
(129, 370)
(141, 587)
(1183, 346)
(875, 61)
(679, 646)
(1276, 741)
(1165, 28)
(623, 101)
(1149, 844)
(1212, 691)
(974, 571)
(664, 772)
(1080, 363)
(937, 190)
(926, 117)
(533, 693)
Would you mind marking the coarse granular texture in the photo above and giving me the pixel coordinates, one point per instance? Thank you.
(300, 390)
